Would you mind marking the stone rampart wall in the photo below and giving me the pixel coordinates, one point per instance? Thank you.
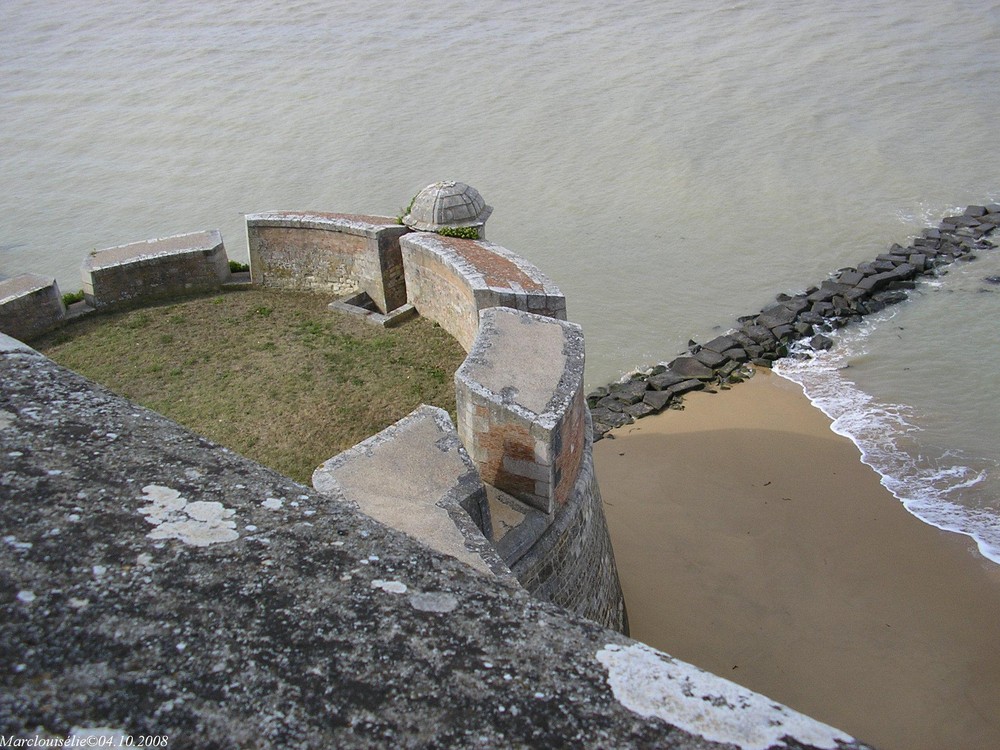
(325, 252)
(30, 305)
(451, 280)
(522, 413)
(155, 269)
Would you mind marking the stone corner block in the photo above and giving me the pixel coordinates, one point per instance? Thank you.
(521, 411)
(30, 305)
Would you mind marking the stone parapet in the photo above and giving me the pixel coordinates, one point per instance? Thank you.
(521, 410)
(155, 269)
(416, 477)
(450, 280)
(153, 583)
(30, 305)
(336, 253)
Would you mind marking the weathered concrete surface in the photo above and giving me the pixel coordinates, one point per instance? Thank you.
(415, 476)
(30, 305)
(155, 583)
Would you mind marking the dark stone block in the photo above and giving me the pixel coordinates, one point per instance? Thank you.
(611, 403)
(850, 278)
(811, 318)
(736, 354)
(711, 358)
(759, 334)
(629, 392)
(639, 410)
(891, 297)
(824, 309)
(691, 368)
(783, 333)
(658, 400)
(797, 304)
(775, 315)
(664, 380)
(975, 211)
(821, 342)
(687, 386)
(720, 344)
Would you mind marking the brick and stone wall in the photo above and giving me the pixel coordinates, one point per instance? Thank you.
(327, 252)
(155, 269)
(450, 280)
(30, 305)
(521, 407)
(573, 564)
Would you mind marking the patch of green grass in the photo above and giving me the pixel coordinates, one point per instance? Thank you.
(289, 387)
(71, 298)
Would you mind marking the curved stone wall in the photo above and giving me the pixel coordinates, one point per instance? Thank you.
(328, 252)
(450, 280)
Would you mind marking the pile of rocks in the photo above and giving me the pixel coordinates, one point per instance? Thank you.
(764, 337)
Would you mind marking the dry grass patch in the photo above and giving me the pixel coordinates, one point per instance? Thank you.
(275, 376)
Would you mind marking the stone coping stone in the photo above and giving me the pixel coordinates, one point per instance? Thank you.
(151, 250)
(415, 476)
(529, 363)
(485, 265)
(362, 225)
(24, 284)
(155, 583)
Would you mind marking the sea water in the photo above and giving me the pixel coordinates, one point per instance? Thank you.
(671, 165)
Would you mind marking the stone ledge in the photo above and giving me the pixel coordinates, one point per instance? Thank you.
(357, 224)
(155, 269)
(519, 398)
(416, 477)
(495, 275)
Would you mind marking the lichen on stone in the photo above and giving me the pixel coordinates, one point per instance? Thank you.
(198, 523)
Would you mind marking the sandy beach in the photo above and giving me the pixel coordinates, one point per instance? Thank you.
(752, 542)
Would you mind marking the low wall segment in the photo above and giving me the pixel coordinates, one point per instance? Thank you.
(339, 254)
(155, 269)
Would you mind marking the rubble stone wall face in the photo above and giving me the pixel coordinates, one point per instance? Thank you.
(333, 253)
(30, 305)
(155, 269)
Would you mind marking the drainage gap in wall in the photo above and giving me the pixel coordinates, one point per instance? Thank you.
(364, 306)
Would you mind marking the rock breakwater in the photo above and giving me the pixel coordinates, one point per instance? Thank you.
(764, 337)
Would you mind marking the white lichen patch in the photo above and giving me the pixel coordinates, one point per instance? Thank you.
(273, 503)
(7, 419)
(652, 684)
(433, 601)
(26, 597)
(198, 523)
(391, 587)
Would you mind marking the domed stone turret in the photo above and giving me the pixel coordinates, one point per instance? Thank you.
(448, 204)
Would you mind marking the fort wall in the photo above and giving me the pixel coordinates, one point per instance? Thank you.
(522, 441)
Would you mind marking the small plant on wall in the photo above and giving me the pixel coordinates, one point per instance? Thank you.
(465, 233)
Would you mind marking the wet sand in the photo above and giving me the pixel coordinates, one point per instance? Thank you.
(752, 542)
